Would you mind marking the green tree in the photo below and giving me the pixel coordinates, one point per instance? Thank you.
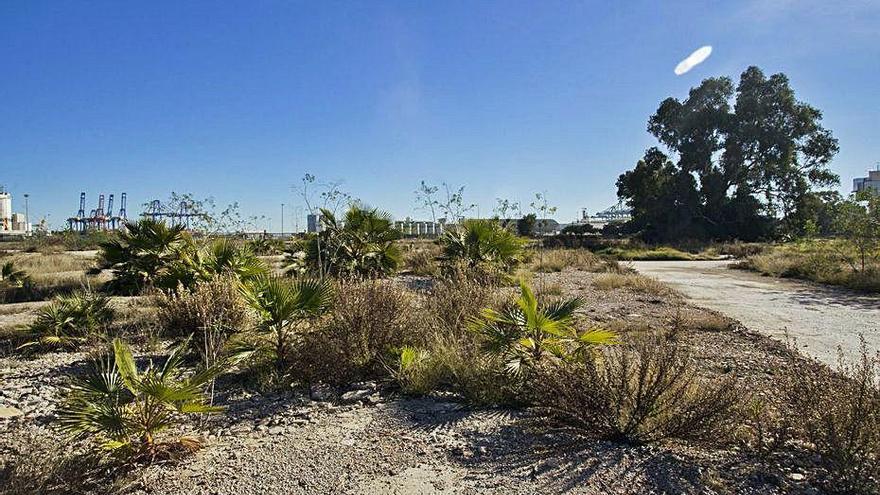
(858, 222)
(754, 154)
(525, 226)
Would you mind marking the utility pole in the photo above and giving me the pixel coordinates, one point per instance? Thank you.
(27, 219)
(282, 221)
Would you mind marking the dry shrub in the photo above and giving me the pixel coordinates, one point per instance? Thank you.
(839, 415)
(369, 321)
(210, 304)
(421, 259)
(634, 282)
(710, 322)
(420, 263)
(210, 312)
(641, 392)
(768, 428)
(452, 301)
(454, 359)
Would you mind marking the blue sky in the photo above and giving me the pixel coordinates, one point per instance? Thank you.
(237, 100)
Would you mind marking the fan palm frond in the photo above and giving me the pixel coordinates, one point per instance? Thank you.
(524, 332)
(123, 408)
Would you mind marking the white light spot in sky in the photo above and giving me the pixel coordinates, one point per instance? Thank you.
(694, 59)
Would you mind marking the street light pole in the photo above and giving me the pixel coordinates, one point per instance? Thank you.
(282, 220)
(27, 219)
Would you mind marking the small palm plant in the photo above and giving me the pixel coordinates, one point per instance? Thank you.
(281, 304)
(478, 242)
(526, 332)
(141, 253)
(124, 409)
(221, 257)
(9, 275)
(224, 257)
(360, 244)
(70, 320)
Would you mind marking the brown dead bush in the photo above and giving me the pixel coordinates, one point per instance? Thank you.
(211, 312)
(641, 392)
(369, 320)
(839, 416)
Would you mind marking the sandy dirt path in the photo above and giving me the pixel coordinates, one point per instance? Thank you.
(819, 318)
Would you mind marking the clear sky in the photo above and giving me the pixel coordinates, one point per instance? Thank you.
(237, 100)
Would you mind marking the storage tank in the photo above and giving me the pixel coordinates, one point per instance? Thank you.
(19, 224)
(5, 210)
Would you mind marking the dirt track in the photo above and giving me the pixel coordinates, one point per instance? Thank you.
(819, 318)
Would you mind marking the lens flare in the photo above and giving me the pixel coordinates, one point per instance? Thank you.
(692, 60)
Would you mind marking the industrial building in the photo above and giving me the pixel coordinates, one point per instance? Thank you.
(872, 181)
(419, 228)
(12, 223)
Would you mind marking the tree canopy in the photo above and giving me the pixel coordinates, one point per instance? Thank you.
(745, 162)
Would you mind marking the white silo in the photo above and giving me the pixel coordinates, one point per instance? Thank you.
(5, 210)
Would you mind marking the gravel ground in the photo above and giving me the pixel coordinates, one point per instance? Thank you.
(369, 440)
(820, 319)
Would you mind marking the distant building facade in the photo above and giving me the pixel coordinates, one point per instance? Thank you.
(872, 181)
(419, 228)
(12, 223)
(313, 223)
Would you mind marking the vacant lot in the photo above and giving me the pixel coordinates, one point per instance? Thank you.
(383, 442)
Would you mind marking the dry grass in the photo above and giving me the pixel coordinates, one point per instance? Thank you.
(37, 264)
(634, 282)
(51, 274)
(421, 262)
(821, 261)
(701, 321)
(556, 260)
(455, 360)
